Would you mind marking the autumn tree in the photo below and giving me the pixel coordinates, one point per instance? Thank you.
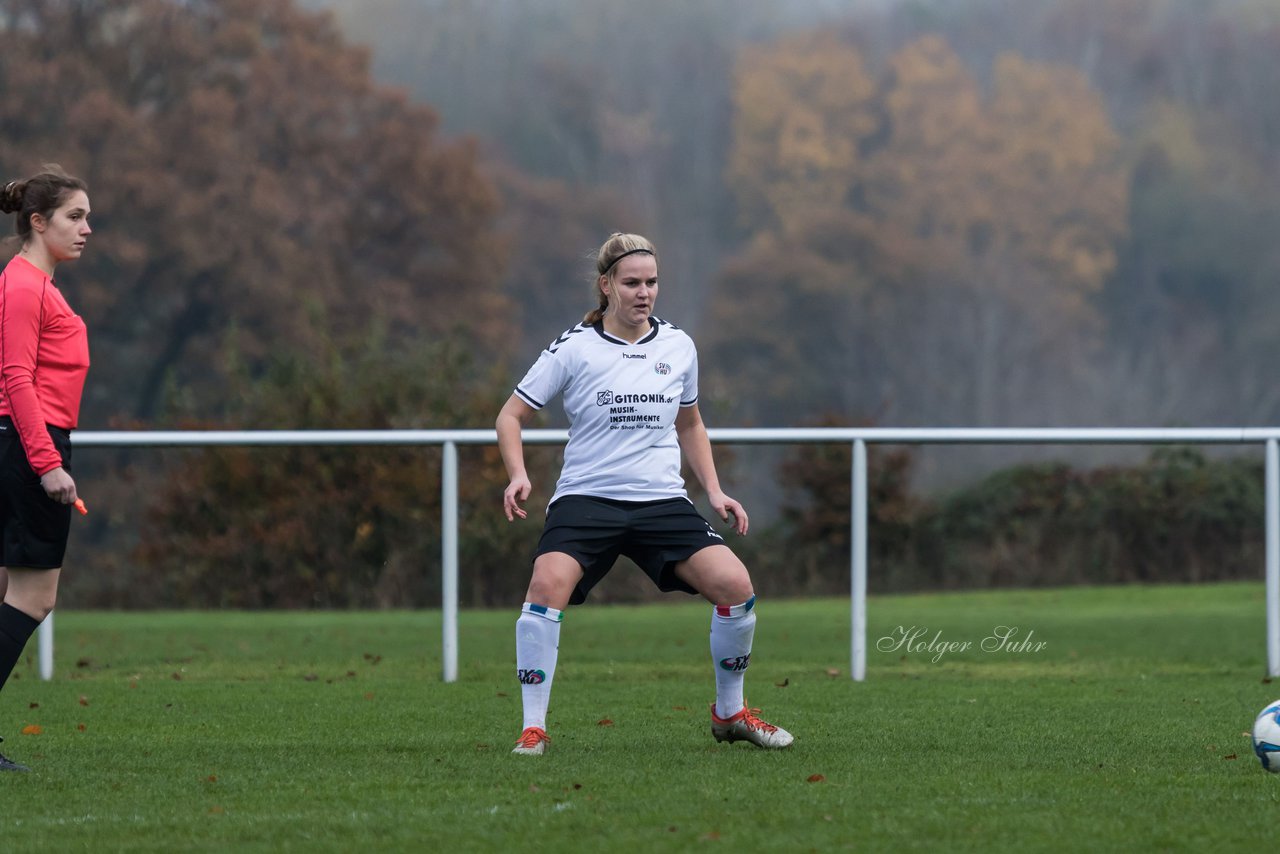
(280, 242)
(803, 112)
(247, 174)
(946, 243)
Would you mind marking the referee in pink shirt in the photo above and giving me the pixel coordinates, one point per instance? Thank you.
(44, 357)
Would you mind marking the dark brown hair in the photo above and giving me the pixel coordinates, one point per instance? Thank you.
(42, 193)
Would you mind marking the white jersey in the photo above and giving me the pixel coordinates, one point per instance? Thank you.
(622, 400)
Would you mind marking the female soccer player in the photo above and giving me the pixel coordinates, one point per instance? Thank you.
(44, 357)
(630, 386)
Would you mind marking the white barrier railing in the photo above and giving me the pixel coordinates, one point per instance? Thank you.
(859, 438)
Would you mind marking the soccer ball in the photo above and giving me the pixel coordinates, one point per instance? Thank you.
(1266, 737)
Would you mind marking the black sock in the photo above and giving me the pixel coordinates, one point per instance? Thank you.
(15, 628)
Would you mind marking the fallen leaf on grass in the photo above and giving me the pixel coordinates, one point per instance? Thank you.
(502, 694)
(84, 662)
(34, 706)
(80, 727)
(310, 677)
(216, 810)
(1231, 756)
(368, 695)
(533, 787)
(84, 701)
(679, 708)
(784, 683)
(833, 671)
(709, 837)
(604, 722)
(32, 729)
(816, 778)
(176, 676)
(212, 778)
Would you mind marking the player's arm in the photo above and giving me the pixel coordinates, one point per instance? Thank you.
(20, 341)
(695, 444)
(514, 416)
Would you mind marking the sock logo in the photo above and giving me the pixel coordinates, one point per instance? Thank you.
(736, 665)
(531, 677)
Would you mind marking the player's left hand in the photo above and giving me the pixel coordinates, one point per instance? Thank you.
(730, 510)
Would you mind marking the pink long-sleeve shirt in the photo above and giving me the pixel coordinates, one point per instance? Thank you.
(44, 358)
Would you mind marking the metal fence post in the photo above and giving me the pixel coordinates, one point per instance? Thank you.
(449, 558)
(45, 643)
(1273, 558)
(858, 585)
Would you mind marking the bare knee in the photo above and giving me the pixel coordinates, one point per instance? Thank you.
(36, 607)
(730, 591)
(555, 576)
(718, 574)
(33, 592)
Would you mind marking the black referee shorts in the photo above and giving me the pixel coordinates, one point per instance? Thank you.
(34, 526)
(655, 534)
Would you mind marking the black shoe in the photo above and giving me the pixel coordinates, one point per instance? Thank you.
(7, 764)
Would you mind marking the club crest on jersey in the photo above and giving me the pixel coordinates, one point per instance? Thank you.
(533, 677)
(604, 398)
(662, 368)
(737, 664)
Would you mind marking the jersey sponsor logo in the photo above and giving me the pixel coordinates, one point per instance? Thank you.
(662, 368)
(534, 677)
(635, 355)
(609, 398)
(737, 664)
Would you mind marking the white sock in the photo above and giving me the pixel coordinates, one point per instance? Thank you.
(537, 645)
(732, 628)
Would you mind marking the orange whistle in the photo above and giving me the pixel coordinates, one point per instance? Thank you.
(79, 505)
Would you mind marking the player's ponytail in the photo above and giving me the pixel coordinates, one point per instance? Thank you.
(617, 247)
(11, 196)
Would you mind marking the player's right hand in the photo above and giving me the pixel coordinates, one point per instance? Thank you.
(516, 492)
(59, 486)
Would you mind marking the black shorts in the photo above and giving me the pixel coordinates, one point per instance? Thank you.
(655, 534)
(34, 526)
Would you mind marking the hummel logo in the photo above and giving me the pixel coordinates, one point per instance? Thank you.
(635, 355)
(736, 665)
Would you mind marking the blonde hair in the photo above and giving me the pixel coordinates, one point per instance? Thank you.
(610, 254)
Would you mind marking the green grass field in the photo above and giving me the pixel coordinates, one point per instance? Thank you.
(1126, 731)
